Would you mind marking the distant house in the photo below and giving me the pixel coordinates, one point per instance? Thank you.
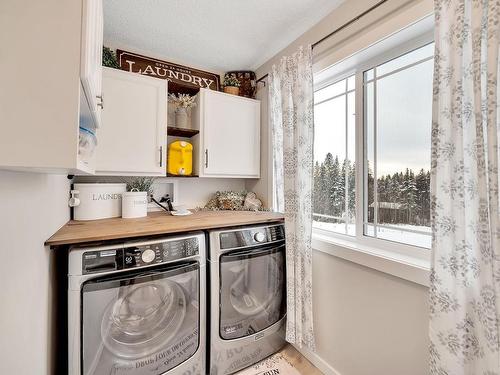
(388, 212)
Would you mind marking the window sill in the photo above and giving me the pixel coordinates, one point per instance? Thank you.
(406, 267)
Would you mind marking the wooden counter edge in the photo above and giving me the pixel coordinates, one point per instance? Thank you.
(59, 238)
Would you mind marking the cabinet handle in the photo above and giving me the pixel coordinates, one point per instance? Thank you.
(161, 156)
(101, 104)
(206, 158)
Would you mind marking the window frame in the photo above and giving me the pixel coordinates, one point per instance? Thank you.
(360, 239)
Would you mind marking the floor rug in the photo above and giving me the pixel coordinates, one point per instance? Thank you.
(276, 364)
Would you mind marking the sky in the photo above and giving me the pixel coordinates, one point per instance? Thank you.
(404, 105)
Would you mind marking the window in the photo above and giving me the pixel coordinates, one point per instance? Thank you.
(393, 132)
(334, 155)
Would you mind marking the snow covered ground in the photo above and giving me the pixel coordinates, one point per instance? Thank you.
(402, 234)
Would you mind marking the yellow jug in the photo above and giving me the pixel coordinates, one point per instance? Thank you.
(180, 158)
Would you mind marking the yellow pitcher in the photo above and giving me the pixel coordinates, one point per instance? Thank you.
(180, 158)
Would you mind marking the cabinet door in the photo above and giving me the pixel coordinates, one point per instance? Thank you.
(231, 135)
(91, 56)
(132, 140)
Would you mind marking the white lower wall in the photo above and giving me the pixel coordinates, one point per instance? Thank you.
(32, 207)
(367, 322)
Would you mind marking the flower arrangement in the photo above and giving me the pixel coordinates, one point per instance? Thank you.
(141, 184)
(182, 100)
(231, 80)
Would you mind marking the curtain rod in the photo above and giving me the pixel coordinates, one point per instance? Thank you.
(348, 23)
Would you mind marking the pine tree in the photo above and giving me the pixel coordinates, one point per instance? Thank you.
(410, 190)
(352, 192)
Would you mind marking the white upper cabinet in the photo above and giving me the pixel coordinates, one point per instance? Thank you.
(229, 140)
(49, 82)
(132, 139)
(91, 64)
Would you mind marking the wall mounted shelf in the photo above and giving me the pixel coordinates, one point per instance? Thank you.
(181, 132)
(180, 176)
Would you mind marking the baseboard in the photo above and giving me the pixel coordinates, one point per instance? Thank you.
(317, 361)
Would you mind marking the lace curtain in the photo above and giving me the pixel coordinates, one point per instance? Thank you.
(291, 119)
(465, 277)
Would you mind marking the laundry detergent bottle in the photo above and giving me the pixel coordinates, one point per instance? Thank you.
(180, 158)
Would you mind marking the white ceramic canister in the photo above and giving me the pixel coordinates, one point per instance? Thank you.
(134, 204)
(98, 200)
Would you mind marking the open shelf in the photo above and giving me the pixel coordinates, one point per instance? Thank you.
(181, 176)
(181, 132)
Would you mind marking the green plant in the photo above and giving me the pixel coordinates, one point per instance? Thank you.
(109, 58)
(141, 184)
(231, 80)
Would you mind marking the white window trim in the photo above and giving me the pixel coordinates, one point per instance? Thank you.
(408, 262)
(404, 266)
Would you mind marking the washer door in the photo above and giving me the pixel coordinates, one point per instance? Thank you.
(141, 322)
(252, 291)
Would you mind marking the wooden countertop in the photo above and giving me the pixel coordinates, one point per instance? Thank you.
(75, 232)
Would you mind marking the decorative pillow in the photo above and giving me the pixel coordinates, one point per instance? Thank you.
(212, 204)
(230, 200)
(252, 203)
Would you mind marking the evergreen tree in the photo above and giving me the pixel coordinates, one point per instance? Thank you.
(410, 190)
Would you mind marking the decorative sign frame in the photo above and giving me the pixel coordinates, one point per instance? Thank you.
(181, 79)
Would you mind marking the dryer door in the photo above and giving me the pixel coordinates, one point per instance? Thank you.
(146, 322)
(252, 290)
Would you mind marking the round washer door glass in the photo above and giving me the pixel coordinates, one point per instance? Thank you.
(252, 294)
(144, 323)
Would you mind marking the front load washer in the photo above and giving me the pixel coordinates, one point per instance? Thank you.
(247, 296)
(138, 307)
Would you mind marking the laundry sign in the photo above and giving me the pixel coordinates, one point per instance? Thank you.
(182, 79)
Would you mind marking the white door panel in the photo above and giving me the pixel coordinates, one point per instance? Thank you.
(132, 139)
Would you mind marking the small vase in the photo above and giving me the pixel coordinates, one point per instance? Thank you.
(181, 117)
(134, 204)
(233, 90)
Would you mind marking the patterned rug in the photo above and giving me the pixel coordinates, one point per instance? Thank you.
(277, 364)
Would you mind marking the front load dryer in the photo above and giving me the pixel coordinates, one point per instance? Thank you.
(247, 296)
(138, 307)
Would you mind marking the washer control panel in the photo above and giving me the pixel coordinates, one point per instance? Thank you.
(251, 236)
(137, 255)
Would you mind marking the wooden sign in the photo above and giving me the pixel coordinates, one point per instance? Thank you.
(182, 79)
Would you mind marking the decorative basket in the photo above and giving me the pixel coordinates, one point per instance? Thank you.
(233, 90)
(248, 82)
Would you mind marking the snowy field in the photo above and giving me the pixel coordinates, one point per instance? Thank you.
(398, 235)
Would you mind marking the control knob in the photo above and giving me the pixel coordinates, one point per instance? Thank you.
(259, 237)
(148, 256)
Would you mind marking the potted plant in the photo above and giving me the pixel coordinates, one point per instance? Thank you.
(231, 84)
(183, 102)
(135, 199)
(109, 58)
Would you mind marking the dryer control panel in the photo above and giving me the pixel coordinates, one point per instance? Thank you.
(133, 255)
(251, 236)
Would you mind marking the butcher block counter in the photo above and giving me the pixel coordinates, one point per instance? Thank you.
(156, 223)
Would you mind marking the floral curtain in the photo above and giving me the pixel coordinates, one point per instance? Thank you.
(465, 276)
(291, 119)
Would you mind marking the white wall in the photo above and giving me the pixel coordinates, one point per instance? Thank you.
(192, 192)
(366, 322)
(32, 207)
(196, 193)
(263, 186)
(383, 21)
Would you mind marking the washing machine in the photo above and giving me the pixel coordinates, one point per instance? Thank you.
(247, 296)
(138, 307)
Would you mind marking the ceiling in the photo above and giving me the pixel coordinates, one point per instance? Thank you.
(217, 35)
